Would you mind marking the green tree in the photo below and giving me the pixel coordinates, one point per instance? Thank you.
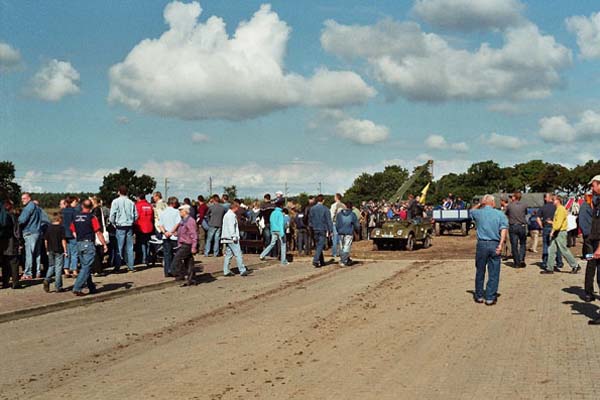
(126, 177)
(8, 187)
(380, 185)
(230, 191)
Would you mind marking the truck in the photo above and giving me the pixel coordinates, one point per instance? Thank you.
(449, 220)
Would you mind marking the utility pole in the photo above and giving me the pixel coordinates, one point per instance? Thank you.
(285, 190)
(166, 188)
(320, 188)
(210, 192)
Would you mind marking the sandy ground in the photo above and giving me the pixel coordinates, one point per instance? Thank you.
(382, 330)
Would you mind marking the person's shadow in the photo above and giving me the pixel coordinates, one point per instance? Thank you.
(590, 310)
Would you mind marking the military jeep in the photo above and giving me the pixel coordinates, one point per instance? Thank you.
(399, 234)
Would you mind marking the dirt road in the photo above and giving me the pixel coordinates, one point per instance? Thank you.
(382, 330)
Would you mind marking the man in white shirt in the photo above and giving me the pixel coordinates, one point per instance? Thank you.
(230, 237)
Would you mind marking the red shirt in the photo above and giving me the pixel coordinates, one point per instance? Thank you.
(145, 221)
(202, 209)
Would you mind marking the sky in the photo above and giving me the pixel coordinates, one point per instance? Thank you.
(297, 95)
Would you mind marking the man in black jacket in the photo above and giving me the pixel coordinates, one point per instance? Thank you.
(9, 245)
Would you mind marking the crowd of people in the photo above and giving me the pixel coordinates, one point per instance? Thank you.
(85, 238)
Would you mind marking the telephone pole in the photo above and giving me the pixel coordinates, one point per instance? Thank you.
(166, 188)
(210, 192)
(285, 192)
(320, 188)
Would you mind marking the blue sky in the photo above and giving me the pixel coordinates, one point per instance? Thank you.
(301, 94)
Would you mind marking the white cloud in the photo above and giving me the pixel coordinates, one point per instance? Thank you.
(122, 120)
(195, 70)
(54, 81)
(438, 142)
(506, 108)
(504, 141)
(587, 30)
(426, 67)
(10, 58)
(31, 182)
(556, 129)
(360, 131)
(200, 137)
(469, 15)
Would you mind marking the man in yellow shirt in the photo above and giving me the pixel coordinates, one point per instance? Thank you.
(558, 239)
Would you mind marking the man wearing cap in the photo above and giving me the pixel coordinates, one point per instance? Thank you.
(594, 236)
(86, 228)
(187, 239)
(558, 239)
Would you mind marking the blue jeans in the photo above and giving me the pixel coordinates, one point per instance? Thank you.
(70, 262)
(125, 245)
(213, 237)
(335, 241)
(518, 242)
(485, 256)
(87, 255)
(546, 244)
(267, 238)
(55, 265)
(168, 246)
(319, 247)
(346, 242)
(276, 236)
(302, 241)
(32, 252)
(233, 250)
(141, 242)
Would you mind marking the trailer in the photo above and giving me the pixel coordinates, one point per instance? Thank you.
(449, 220)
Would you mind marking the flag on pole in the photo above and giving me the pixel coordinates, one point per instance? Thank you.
(424, 193)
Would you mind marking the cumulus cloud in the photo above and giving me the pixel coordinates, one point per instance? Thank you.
(426, 67)
(504, 141)
(10, 58)
(54, 81)
(360, 131)
(587, 31)
(560, 130)
(195, 70)
(469, 15)
(198, 137)
(438, 142)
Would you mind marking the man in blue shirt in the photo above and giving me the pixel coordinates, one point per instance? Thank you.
(122, 215)
(319, 220)
(277, 224)
(30, 221)
(492, 226)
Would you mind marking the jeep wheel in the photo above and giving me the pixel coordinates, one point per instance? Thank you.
(378, 244)
(410, 242)
(427, 242)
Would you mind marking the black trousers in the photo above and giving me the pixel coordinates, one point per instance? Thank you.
(183, 263)
(592, 266)
(10, 268)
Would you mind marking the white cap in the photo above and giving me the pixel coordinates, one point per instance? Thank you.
(185, 207)
(596, 178)
(279, 193)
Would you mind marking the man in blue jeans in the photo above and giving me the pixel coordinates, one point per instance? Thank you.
(30, 221)
(545, 218)
(86, 228)
(215, 215)
(122, 215)
(319, 220)
(168, 223)
(277, 226)
(492, 226)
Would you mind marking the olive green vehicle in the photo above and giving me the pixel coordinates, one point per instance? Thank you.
(400, 234)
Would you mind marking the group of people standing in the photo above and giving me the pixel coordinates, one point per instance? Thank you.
(495, 226)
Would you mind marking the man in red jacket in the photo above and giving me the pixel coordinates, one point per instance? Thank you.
(202, 224)
(144, 228)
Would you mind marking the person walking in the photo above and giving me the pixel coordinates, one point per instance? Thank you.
(98, 212)
(322, 225)
(492, 226)
(335, 208)
(56, 246)
(347, 224)
(86, 228)
(30, 221)
(586, 213)
(187, 239)
(516, 212)
(123, 214)
(72, 207)
(277, 226)
(167, 225)
(215, 215)
(230, 238)
(201, 210)
(144, 228)
(9, 246)
(545, 218)
(594, 235)
(558, 241)
(301, 233)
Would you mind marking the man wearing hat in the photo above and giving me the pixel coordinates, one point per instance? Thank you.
(277, 231)
(187, 239)
(595, 231)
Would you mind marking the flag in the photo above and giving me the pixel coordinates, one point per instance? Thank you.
(424, 193)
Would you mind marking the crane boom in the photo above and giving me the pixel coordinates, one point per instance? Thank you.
(412, 179)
